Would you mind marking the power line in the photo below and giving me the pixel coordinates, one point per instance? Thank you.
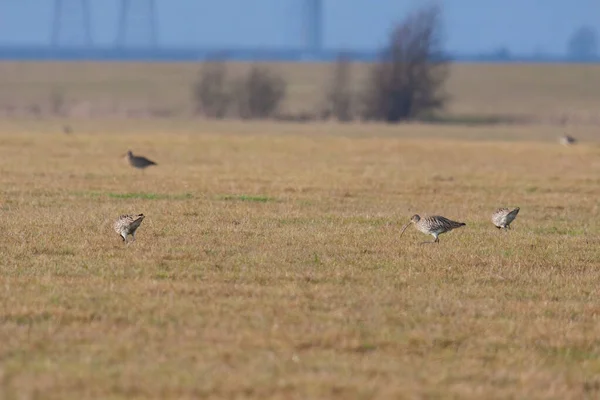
(313, 25)
(139, 14)
(72, 24)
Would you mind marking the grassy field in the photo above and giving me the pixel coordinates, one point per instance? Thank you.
(541, 92)
(269, 264)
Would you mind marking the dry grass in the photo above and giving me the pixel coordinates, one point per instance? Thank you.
(536, 91)
(269, 263)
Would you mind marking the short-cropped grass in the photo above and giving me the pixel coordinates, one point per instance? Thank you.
(269, 264)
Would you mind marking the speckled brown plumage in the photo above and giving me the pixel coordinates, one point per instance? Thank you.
(127, 224)
(434, 225)
(502, 217)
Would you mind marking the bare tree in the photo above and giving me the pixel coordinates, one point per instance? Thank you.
(339, 95)
(211, 95)
(408, 79)
(259, 94)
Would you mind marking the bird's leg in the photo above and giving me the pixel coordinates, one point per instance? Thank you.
(434, 241)
(437, 240)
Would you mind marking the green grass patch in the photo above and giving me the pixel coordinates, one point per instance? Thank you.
(150, 196)
(243, 197)
(571, 353)
(134, 195)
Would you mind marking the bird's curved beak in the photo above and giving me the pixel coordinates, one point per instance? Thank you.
(404, 228)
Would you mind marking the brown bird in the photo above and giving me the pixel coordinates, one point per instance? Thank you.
(434, 226)
(127, 224)
(502, 217)
(138, 161)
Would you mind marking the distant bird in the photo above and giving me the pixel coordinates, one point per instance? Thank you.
(567, 140)
(502, 217)
(67, 129)
(127, 224)
(434, 226)
(138, 161)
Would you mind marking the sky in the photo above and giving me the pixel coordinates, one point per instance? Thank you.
(470, 26)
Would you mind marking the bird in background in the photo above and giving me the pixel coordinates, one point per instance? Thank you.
(567, 140)
(434, 225)
(127, 224)
(502, 217)
(138, 161)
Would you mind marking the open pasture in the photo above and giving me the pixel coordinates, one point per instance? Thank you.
(269, 263)
(540, 92)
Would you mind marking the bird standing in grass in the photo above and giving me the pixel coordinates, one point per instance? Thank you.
(127, 224)
(502, 217)
(567, 140)
(434, 226)
(139, 161)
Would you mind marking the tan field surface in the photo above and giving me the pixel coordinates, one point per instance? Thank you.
(544, 92)
(269, 264)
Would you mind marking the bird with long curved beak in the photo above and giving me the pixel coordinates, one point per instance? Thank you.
(434, 225)
(138, 162)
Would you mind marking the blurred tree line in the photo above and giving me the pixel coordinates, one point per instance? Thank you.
(405, 83)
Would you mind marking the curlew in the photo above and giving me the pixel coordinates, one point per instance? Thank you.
(139, 161)
(502, 217)
(127, 224)
(434, 226)
(567, 140)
